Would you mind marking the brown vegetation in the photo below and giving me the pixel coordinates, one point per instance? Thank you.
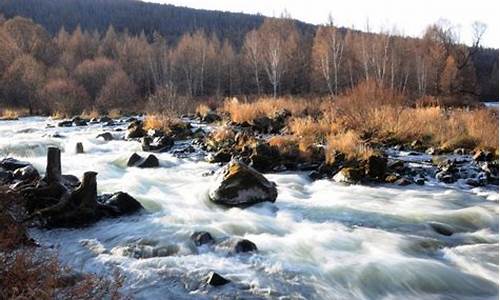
(31, 272)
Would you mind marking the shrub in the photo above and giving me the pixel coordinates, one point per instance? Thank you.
(348, 143)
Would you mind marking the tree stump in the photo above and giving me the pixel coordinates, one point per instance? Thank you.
(53, 171)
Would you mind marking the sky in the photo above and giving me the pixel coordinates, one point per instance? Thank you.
(410, 17)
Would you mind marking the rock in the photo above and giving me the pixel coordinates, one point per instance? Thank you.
(262, 124)
(264, 157)
(445, 177)
(201, 238)
(135, 130)
(6, 177)
(419, 181)
(79, 148)
(240, 185)
(210, 117)
(481, 155)
(376, 166)
(107, 136)
(65, 123)
(315, 175)
(392, 178)
(28, 173)
(133, 160)
(77, 121)
(349, 175)
(12, 164)
(441, 228)
(223, 155)
(105, 119)
(244, 245)
(403, 181)
(119, 204)
(215, 279)
(161, 144)
(136, 160)
(237, 245)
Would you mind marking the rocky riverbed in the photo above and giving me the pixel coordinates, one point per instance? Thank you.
(297, 231)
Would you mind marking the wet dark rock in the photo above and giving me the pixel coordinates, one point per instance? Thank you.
(77, 121)
(107, 136)
(119, 204)
(65, 123)
(12, 164)
(376, 166)
(481, 155)
(264, 157)
(223, 155)
(215, 279)
(210, 117)
(28, 173)
(105, 119)
(396, 166)
(79, 148)
(403, 181)
(237, 245)
(6, 177)
(136, 160)
(349, 175)
(441, 228)
(419, 180)
(262, 124)
(201, 238)
(161, 144)
(135, 130)
(315, 175)
(445, 177)
(240, 185)
(56, 135)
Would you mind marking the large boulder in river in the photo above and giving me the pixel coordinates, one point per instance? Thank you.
(119, 204)
(240, 185)
(136, 160)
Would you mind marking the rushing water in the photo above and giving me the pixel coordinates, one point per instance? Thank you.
(320, 240)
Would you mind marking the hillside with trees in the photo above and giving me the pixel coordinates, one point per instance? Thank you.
(105, 55)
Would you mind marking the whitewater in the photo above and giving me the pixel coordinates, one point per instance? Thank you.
(319, 240)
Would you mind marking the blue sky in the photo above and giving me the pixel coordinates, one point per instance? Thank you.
(410, 17)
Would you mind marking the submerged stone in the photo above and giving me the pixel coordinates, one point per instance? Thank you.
(215, 279)
(201, 238)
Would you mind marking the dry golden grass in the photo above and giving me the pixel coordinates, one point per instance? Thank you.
(202, 110)
(12, 113)
(115, 113)
(90, 114)
(222, 133)
(348, 143)
(287, 145)
(241, 112)
(164, 121)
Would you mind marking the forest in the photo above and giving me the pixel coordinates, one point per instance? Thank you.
(117, 60)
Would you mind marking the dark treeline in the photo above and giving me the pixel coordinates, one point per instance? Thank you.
(72, 70)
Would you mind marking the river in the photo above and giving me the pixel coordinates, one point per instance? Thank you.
(319, 240)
